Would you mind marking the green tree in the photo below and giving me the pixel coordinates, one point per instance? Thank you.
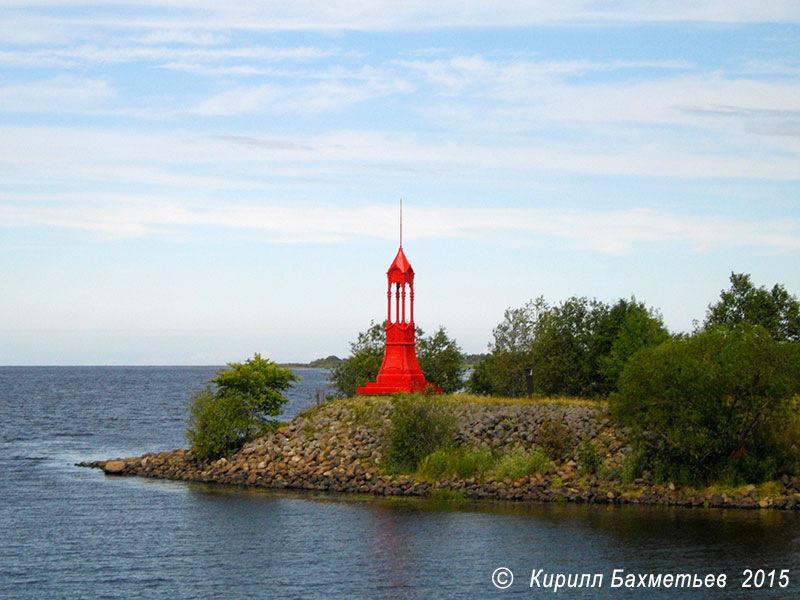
(516, 333)
(501, 374)
(364, 362)
(776, 310)
(631, 326)
(715, 404)
(439, 357)
(237, 409)
(567, 349)
(576, 348)
(441, 360)
(502, 371)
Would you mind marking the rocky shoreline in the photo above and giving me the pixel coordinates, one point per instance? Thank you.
(336, 447)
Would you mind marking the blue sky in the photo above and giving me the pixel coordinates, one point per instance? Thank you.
(190, 182)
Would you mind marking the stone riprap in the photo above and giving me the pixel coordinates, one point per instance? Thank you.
(336, 447)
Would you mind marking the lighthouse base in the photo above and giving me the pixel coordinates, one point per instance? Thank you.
(400, 371)
(377, 387)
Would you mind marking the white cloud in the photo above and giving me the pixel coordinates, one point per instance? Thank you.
(127, 51)
(58, 94)
(413, 14)
(202, 164)
(613, 232)
(325, 94)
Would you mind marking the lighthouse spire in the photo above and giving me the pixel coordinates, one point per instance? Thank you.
(401, 222)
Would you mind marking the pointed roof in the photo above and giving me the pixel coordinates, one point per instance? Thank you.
(400, 270)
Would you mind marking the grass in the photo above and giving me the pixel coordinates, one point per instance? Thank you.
(768, 489)
(457, 399)
(461, 463)
(520, 463)
(467, 462)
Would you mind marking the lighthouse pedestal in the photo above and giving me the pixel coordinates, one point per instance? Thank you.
(400, 371)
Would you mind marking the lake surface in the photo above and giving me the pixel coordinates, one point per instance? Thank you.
(69, 532)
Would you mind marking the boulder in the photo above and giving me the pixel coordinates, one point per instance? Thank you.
(114, 467)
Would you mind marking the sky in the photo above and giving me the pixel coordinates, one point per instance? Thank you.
(191, 182)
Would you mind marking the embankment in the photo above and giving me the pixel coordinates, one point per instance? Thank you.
(336, 447)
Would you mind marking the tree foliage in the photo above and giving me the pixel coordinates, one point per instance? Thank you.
(237, 409)
(364, 362)
(575, 348)
(440, 359)
(776, 310)
(722, 403)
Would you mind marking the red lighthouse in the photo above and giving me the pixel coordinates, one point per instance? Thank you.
(400, 371)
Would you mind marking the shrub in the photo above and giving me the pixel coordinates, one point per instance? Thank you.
(554, 437)
(223, 419)
(520, 463)
(589, 458)
(633, 466)
(260, 381)
(718, 402)
(418, 426)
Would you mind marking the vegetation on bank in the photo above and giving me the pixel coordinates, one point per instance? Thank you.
(237, 407)
(420, 439)
(719, 405)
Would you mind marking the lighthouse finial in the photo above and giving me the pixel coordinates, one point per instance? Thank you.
(401, 222)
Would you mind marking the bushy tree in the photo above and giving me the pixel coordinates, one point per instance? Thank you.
(717, 404)
(575, 348)
(630, 327)
(440, 359)
(501, 374)
(237, 408)
(516, 333)
(564, 352)
(776, 310)
(364, 362)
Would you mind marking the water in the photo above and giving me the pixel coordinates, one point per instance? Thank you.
(69, 532)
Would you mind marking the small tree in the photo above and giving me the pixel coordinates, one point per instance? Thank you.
(567, 349)
(225, 417)
(633, 327)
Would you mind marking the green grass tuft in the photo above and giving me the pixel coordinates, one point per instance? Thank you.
(520, 463)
